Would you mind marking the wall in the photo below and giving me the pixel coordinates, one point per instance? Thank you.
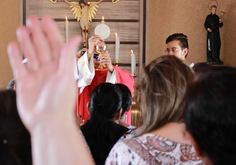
(121, 17)
(125, 14)
(188, 17)
(165, 17)
(10, 20)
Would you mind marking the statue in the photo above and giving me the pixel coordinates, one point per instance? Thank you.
(212, 24)
(84, 14)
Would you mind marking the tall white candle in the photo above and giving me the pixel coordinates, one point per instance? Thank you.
(117, 48)
(133, 63)
(67, 28)
(102, 20)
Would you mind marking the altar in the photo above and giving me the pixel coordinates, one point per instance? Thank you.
(121, 17)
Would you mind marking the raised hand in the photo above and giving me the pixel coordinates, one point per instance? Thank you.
(46, 92)
(92, 43)
(105, 60)
(49, 70)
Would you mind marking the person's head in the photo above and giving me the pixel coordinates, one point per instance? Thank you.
(105, 103)
(213, 9)
(210, 114)
(162, 89)
(12, 85)
(177, 45)
(15, 145)
(198, 67)
(126, 98)
(81, 52)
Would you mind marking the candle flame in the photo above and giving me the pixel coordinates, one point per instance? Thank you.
(66, 18)
(102, 18)
(116, 34)
(132, 52)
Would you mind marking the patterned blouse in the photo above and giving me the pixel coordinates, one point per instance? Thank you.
(152, 149)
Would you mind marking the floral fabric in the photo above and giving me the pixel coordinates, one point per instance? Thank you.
(152, 149)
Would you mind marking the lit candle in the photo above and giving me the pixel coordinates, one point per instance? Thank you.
(102, 19)
(67, 28)
(133, 63)
(117, 48)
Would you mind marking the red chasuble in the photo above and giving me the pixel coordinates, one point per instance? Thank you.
(122, 76)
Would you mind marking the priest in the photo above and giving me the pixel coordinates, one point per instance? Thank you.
(90, 77)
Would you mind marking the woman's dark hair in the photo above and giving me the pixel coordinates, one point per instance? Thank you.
(210, 113)
(100, 131)
(105, 102)
(126, 98)
(201, 66)
(15, 145)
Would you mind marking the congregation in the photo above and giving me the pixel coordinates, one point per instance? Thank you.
(188, 114)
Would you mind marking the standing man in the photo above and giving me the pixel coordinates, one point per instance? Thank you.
(212, 24)
(177, 45)
(90, 77)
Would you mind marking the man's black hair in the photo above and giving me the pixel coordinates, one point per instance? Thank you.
(183, 39)
(210, 113)
(213, 6)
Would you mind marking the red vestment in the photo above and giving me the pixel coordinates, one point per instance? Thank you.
(122, 76)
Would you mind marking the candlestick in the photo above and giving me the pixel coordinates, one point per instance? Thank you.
(117, 48)
(133, 63)
(67, 29)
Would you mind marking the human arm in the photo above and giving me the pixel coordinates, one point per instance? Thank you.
(86, 64)
(46, 93)
(207, 25)
(208, 29)
(92, 43)
(105, 60)
(220, 22)
(86, 71)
